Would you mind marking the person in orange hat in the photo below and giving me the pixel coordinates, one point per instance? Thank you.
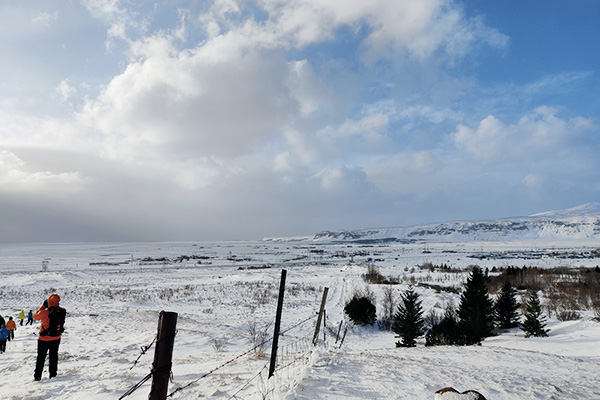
(52, 317)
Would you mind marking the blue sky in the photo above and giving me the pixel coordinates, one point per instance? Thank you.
(226, 120)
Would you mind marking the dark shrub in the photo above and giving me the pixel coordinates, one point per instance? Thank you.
(449, 331)
(361, 310)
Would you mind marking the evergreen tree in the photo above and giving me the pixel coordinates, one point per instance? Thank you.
(507, 306)
(476, 309)
(534, 320)
(408, 320)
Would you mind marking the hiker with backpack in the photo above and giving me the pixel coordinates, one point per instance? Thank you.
(29, 318)
(21, 316)
(52, 318)
(11, 327)
(3, 337)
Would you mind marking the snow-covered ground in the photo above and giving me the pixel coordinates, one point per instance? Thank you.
(225, 295)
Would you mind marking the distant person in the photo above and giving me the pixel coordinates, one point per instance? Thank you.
(11, 327)
(29, 318)
(21, 317)
(52, 317)
(3, 337)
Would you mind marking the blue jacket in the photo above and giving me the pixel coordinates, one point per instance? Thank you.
(3, 333)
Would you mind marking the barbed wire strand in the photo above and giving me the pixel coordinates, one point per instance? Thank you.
(144, 350)
(249, 380)
(136, 386)
(153, 370)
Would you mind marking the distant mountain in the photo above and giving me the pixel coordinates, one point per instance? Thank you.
(582, 222)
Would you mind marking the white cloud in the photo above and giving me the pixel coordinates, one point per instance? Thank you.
(14, 177)
(18, 130)
(427, 112)
(367, 134)
(199, 173)
(235, 91)
(343, 180)
(46, 19)
(554, 82)
(419, 174)
(533, 184)
(191, 106)
(486, 141)
(282, 163)
(65, 90)
(540, 130)
(301, 146)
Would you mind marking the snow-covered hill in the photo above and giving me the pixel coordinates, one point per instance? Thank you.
(582, 222)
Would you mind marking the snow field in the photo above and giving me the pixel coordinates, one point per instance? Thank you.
(113, 312)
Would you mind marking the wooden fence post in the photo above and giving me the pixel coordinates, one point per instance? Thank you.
(325, 325)
(277, 323)
(338, 333)
(163, 355)
(316, 335)
(344, 336)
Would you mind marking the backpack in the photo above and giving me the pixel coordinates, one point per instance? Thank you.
(57, 322)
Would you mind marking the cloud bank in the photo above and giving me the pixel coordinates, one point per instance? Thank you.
(232, 120)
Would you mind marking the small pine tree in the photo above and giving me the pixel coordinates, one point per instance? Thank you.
(506, 307)
(361, 310)
(476, 309)
(534, 322)
(408, 320)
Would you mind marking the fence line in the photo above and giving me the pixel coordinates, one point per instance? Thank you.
(238, 357)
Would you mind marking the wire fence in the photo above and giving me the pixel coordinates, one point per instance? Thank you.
(289, 354)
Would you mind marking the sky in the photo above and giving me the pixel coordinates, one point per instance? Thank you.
(231, 120)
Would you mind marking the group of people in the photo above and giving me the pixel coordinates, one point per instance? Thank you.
(49, 334)
(8, 328)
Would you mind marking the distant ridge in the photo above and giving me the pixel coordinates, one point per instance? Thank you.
(581, 222)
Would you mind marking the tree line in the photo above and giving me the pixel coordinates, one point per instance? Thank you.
(476, 317)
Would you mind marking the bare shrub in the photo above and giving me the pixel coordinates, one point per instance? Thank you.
(258, 336)
(597, 313)
(568, 315)
(262, 296)
(219, 343)
(432, 318)
(595, 304)
(389, 307)
(427, 266)
(373, 275)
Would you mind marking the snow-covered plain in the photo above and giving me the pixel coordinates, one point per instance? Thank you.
(225, 295)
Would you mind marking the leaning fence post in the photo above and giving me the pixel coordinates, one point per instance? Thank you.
(338, 333)
(163, 355)
(323, 300)
(277, 323)
(344, 336)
